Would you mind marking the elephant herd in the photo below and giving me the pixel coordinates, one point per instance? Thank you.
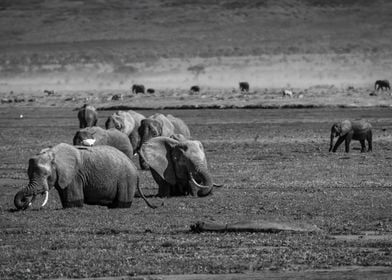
(98, 169)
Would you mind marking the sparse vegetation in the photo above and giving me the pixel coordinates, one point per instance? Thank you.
(274, 165)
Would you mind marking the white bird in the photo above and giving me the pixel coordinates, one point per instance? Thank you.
(88, 142)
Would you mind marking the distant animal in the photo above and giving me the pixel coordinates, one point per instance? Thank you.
(97, 136)
(287, 93)
(150, 90)
(195, 89)
(244, 87)
(178, 167)
(18, 99)
(127, 122)
(116, 97)
(347, 130)
(100, 175)
(49, 92)
(6, 100)
(88, 116)
(382, 84)
(138, 89)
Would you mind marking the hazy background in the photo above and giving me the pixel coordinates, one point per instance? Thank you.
(102, 44)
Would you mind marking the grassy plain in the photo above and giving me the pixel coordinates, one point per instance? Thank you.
(274, 165)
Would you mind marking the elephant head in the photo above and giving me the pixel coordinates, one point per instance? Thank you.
(155, 126)
(179, 168)
(339, 129)
(52, 166)
(122, 121)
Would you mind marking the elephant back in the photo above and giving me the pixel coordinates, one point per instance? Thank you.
(180, 126)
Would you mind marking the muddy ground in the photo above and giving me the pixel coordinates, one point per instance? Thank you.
(274, 165)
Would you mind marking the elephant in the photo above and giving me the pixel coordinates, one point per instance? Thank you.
(99, 136)
(382, 84)
(87, 116)
(127, 122)
(138, 89)
(347, 130)
(178, 167)
(100, 175)
(195, 89)
(150, 90)
(161, 125)
(244, 87)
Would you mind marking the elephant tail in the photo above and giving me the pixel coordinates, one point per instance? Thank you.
(142, 195)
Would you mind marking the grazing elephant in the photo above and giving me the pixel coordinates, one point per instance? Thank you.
(244, 87)
(87, 116)
(382, 84)
(195, 89)
(347, 130)
(127, 122)
(179, 168)
(100, 175)
(287, 92)
(161, 125)
(96, 136)
(138, 89)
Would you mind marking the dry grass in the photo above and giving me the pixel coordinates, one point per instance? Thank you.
(274, 165)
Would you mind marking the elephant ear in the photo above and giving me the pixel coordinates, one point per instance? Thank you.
(67, 161)
(157, 153)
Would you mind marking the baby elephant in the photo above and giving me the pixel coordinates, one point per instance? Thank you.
(347, 130)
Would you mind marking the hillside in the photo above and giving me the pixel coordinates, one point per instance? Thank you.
(110, 44)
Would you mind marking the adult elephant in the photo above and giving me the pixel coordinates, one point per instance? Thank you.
(244, 87)
(138, 89)
(179, 168)
(382, 84)
(97, 136)
(87, 116)
(161, 125)
(347, 130)
(127, 122)
(100, 175)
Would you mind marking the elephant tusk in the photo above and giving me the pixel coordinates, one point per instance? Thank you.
(46, 198)
(193, 182)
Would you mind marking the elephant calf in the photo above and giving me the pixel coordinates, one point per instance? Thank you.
(100, 175)
(347, 130)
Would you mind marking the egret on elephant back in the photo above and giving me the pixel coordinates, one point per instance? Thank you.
(98, 175)
(348, 130)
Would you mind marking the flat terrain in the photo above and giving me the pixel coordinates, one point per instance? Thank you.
(274, 165)
(74, 45)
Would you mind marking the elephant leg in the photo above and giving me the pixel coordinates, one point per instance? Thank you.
(125, 194)
(363, 146)
(369, 139)
(163, 186)
(338, 142)
(73, 195)
(349, 136)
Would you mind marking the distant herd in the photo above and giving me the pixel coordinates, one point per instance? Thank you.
(99, 167)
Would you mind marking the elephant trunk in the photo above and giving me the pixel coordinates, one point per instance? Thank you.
(206, 185)
(331, 143)
(26, 196)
